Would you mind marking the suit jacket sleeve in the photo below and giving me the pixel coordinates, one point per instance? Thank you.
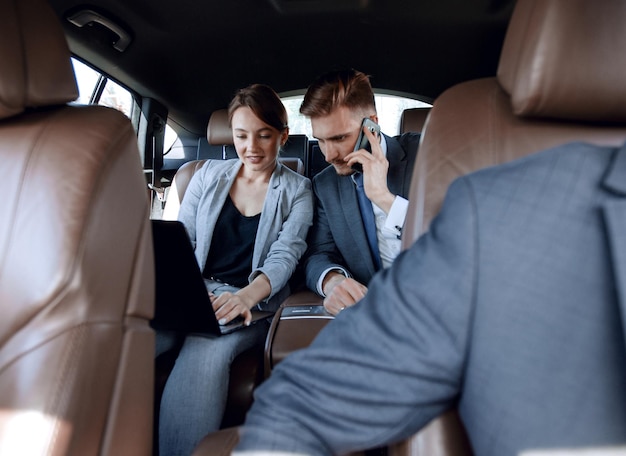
(385, 367)
(322, 251)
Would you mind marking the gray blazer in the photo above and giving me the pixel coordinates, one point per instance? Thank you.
(285, 219)
(337, 237)
(512, 307)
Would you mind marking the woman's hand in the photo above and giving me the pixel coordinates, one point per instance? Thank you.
(228, 306)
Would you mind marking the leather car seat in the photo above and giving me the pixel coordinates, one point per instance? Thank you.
(413, 119)
(76, 262)
(559, 80)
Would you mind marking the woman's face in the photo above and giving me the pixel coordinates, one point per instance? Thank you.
(257, 143)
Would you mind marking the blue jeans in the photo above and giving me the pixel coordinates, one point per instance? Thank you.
(195, 394)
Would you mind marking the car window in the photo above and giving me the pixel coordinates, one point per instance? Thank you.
(389, 108)
(87, 79)
(115, 96)
(96, 88)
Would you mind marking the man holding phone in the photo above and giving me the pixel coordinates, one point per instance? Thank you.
(349, 204)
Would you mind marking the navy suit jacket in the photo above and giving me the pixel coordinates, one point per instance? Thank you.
(337, 237)
(512, 307)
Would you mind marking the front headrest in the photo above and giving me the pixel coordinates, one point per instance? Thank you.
(218, 132)
(36, 69)
(564, 59)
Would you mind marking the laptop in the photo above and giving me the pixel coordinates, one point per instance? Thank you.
(182, 301)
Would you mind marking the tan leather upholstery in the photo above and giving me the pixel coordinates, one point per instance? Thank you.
(76, 265)
(444, 436)
(560, 79)
(294, 334)
(179, 186)
(221, 443)
(35, 60)
(562, 60)
(218, 131)
(413, 120)
(294, 164)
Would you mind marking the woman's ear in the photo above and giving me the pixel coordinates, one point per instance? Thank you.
(284, 136)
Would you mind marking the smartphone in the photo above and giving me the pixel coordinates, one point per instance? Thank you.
(362, 142)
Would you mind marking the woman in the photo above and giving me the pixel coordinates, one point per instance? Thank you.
(247, 219)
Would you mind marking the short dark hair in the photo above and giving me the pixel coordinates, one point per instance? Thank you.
(264, 102)
(349, 88)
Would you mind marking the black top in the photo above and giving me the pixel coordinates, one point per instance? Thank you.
(230, 256)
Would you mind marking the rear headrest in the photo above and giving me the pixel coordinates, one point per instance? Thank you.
(564, 59)
(218, 132)
(36, 69)
(413, 120)
(293, 163)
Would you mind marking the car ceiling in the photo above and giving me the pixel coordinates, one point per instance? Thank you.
(193, 55)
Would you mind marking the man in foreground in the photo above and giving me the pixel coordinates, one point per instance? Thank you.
(511, 308)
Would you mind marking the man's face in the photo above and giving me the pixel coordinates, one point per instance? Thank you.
(337, 134)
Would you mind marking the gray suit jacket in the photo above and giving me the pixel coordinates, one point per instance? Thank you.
(512, 307)
(285, 219)
(337, 237)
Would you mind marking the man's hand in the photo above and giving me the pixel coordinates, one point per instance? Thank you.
(341, 292)
(375, 168)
